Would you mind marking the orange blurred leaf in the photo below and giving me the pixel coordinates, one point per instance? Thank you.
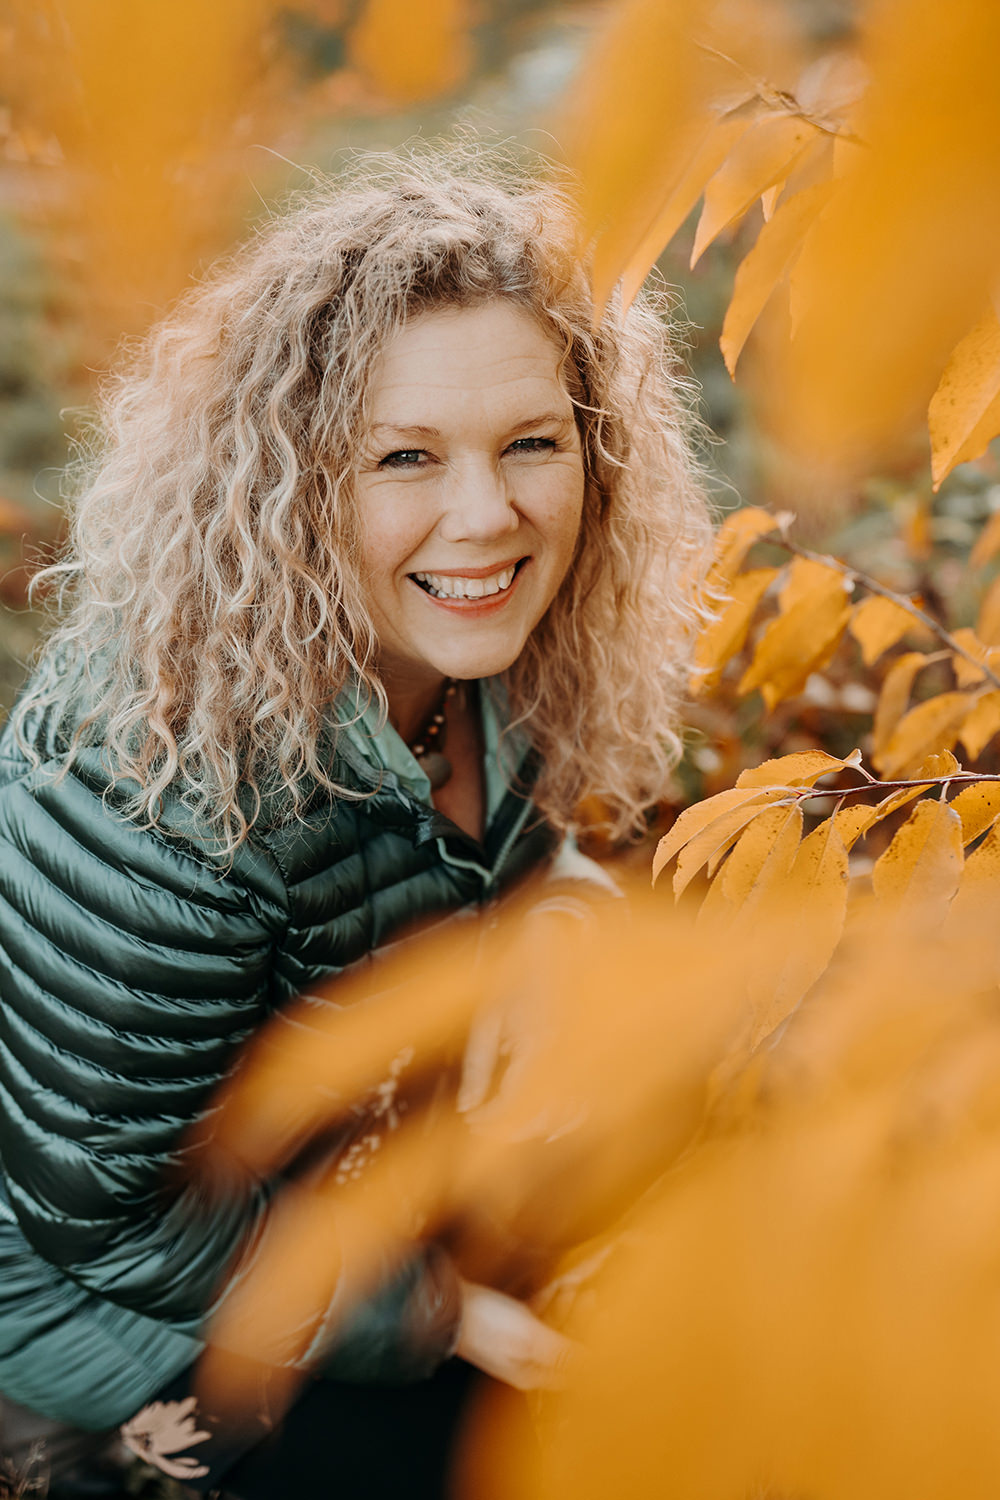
(988, 621)
(814, 613)
(681, 199)
(878, 623)
(987, 543)
(932, 725)
(967, 674)
(636, 114)
(737, 535)
(893, 698)
(724, 635)
(13, 520)
(412, 52)
(924, 184)
(967, 389)
(816, 884)
(761, 156)
(974, 907)
(763, 266)
(981, 724)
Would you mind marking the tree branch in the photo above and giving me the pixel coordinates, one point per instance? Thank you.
(903, 600)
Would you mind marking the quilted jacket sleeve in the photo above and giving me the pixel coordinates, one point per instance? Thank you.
(130, 973)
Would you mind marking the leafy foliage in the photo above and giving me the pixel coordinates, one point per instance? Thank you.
(846, 171)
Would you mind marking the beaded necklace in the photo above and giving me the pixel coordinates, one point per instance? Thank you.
(428, 748)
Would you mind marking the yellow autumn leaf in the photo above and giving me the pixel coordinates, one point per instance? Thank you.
(853, 821)
(725, 634)
(900, 798)
(977, 805)
(736, 536)
(879, 257)
(969, 385)
(763, 266)
(878, 623)
(979, 439)
(802, 638)
(681, 198)
(412, 52)
(857, 820)
(803, 768)
(765, 153)
(714, 840)
(938, 765)
(966, 672)
(987, 543)
(981, 724)
(143, 107)
(988, 620)
(807, 579)
(893, 698)
(634, 117)
(972, 913)
(694, 820)
(932, 725)
(763, 854)
(921, 869)
(815, 886)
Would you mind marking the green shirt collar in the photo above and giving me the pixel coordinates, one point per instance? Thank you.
(379, 745)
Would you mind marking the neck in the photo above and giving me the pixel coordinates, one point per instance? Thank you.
(410, 705)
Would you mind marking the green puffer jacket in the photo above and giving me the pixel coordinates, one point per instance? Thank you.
(132, 967)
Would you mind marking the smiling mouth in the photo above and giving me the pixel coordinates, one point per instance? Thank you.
(442, 586)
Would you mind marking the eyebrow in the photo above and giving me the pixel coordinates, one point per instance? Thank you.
(417, 429)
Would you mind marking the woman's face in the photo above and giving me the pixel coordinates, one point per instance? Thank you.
(470, 492)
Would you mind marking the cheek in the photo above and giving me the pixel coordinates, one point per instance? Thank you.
(559, 510)
(389, 535)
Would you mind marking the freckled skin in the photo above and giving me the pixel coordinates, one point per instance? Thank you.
(501, 478)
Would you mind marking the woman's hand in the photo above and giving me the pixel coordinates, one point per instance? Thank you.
(503, 1338)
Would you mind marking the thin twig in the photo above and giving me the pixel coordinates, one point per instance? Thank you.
(780, 98)
(804, 793)
(903, 600)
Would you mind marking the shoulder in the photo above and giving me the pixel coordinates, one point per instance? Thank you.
(65, 828)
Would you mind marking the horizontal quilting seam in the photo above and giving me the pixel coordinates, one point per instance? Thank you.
(383, 892)
(159, 891)
(75, 961)
(368, 892)
(15, 1107)
(116, 1033)
(159, 1094)
(133, 937)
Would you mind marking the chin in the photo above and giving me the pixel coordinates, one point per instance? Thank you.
(467, 667)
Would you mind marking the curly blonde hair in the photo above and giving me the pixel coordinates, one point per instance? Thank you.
(212, 604)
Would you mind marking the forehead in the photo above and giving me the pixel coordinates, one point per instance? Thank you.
(455, 359)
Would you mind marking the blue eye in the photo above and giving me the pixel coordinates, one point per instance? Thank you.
(535, 445)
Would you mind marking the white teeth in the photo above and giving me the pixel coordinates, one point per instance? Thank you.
(467, 588)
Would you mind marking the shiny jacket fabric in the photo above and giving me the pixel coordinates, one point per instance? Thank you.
(133, 964)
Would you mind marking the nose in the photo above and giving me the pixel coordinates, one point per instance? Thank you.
(479, 506)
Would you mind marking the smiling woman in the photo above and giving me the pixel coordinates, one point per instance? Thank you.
(385, 557)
